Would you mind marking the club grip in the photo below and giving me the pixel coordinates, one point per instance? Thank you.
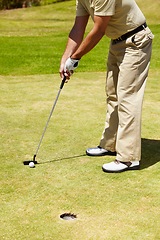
(63, 82)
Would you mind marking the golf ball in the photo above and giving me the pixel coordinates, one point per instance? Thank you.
(31, 165)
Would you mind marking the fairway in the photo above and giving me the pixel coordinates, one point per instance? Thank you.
(122, 206)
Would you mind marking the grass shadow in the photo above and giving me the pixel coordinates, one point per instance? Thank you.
(61, 159)
(150, 152)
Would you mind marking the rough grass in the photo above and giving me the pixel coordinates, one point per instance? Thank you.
(108, 206)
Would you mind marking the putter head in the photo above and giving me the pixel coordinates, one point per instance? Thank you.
(28, 161)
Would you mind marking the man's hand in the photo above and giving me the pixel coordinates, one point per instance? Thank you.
(70, 65)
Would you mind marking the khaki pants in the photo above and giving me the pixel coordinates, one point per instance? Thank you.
(128, 65)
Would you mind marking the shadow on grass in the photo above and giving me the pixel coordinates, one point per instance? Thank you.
(150, 152)
(61, 159)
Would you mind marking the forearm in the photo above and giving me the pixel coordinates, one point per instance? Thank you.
(94, 36)
(77, 47)
(88, 44)
(75, 37)
(71, 47)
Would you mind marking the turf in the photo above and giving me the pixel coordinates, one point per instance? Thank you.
(108, 206)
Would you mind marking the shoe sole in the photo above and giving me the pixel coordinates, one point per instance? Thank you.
(101, 154)
(123, 170)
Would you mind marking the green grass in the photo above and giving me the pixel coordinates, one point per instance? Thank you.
(108, 206)
(32, 41)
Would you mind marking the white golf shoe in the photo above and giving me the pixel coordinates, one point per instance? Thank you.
(117, 166)
(98, 151)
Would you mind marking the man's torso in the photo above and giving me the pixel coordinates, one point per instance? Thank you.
(125, 14)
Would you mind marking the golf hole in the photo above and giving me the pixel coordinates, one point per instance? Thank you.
(68, 216)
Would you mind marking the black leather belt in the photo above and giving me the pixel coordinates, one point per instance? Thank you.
(129, 34)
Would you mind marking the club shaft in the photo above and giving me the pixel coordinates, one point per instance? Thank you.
(53, 107)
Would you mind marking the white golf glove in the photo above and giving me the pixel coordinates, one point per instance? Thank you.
(71, 65)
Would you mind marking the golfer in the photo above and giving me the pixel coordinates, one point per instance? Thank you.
(127, 69)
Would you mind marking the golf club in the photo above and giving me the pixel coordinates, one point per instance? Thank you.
(45, 128)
